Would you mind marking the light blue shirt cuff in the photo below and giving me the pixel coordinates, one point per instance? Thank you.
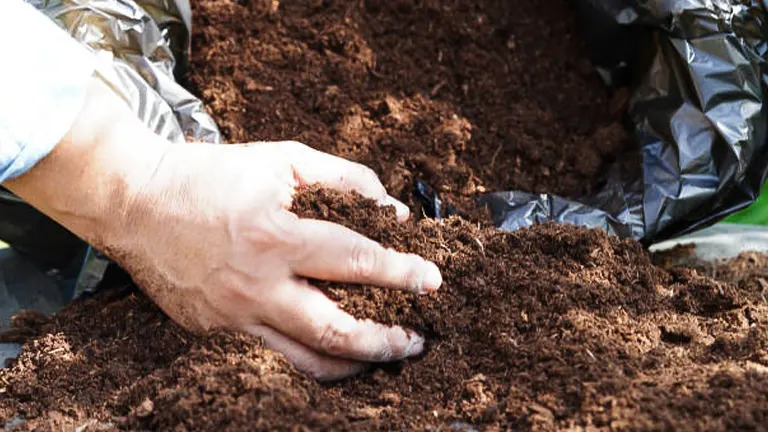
(44, 74)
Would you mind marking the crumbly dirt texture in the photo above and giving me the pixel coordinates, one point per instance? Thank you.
(549, 328)
(467, 95)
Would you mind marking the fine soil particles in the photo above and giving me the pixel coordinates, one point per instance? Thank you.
(470, 96)
(548, 328)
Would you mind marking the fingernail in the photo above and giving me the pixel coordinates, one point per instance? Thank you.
(432, 278)
(415, 345)
(401, 209)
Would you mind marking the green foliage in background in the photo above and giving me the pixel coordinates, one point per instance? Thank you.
(756, 214)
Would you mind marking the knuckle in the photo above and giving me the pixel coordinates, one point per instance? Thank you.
(287, 229)
(361, 178)
(334, 340)
(347, 175)
(413, 277)
(365, 261)
(413, 281)
(371, 180)
(367, 173)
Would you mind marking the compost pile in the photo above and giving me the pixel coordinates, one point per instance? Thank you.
(548, 328)
(469, 96)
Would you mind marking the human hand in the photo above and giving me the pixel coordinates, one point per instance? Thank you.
(212, 240)
(206, 231)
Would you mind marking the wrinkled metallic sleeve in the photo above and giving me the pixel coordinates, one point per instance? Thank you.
(42, 86)
(698, 107)
(140, 47)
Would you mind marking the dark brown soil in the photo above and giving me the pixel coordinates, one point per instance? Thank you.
(549, 328)
(468, 95)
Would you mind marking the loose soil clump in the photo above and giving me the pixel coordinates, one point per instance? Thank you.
(548, 328)
(470, 96)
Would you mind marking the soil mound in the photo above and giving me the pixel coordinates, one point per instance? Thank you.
(470, 96)
(548, 328)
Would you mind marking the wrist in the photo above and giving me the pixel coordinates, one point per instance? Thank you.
(91, 178)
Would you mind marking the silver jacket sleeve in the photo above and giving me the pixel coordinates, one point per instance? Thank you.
(141, 48)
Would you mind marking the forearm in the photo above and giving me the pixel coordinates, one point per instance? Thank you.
(87, 183)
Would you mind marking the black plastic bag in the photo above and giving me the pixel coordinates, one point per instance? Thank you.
(697, 73)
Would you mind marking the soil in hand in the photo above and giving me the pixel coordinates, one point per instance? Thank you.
(470, 96)
(548, 328)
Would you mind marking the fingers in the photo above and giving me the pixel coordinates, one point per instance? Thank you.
(306, 315)
(318, 366)
(312, 166)
(336, 253)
